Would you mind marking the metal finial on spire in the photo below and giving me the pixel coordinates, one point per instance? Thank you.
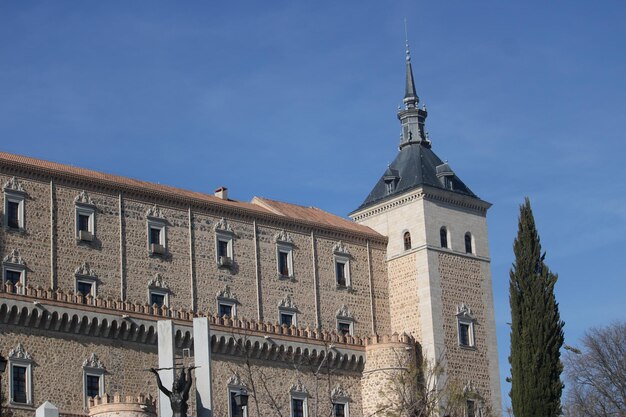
(406, 42)
(410, 96)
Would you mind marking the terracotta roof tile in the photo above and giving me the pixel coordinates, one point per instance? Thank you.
(258, 205)
(115, 180)
(315, 214)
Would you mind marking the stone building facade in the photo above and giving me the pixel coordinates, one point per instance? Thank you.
(307, 310)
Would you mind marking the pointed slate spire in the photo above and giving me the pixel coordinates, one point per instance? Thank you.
(411, 117)
(411, 99)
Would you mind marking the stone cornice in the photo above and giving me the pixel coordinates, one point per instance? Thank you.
(427, 193)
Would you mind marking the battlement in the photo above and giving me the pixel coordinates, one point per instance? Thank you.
(127, 310)
(128, 406)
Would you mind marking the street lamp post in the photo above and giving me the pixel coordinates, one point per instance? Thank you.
(241, 400)
(3, 366)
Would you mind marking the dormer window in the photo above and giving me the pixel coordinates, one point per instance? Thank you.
(391, 178)
(445, 175)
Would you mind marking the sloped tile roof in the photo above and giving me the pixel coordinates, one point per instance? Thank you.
(259, 206)
(295, 211)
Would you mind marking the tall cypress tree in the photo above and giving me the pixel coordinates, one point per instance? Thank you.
(536, 327)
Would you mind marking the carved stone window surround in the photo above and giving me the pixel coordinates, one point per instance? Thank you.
(158, 286)
(84, 273)
(14, 262)
(465, 324)
(84, 206)
(13, 192)
(19, 357)
(226, 297)
(92, 366)
(224, 233)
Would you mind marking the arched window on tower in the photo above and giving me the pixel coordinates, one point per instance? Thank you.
(468, 243)
(407, 241)
(443, 236)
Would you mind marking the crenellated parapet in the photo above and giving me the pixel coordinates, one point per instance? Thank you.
(64, 312)
(134, 310)
(118, 406)
(388, 359)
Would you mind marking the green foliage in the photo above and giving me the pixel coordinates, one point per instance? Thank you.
(418, 387)
(536, 327)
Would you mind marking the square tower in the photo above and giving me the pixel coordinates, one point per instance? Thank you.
(440, 289)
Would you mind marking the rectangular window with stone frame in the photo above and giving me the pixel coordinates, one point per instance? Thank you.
(14, 210)
(298, 407)
(85, 223)
(158, 298)
(287, 318)
(14, 276)
(157, 241)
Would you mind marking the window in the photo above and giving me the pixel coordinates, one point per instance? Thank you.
(345, 321)
(19, 391)
(158, 298)
(465, 324)
(85, 223)
(14, 271)
(344, 327)
(156, 237)
(93, 378)
(84, 287)
(342, 257)
(407, 241)
(14, 277)
(340, 399)
(222, 247)
(340, 410)
(13, 210)
(234, 410)
(285, 262)
(464, 334)
(92, 387)
(471, 408)
(443, 237)
(287, 318)
(298, 407)
(225, 309)
(20, 376)
(13, 217)
(236, 386)
(224, 251)
(341, 273)
(284, 255)
(468, 243)
(224, 236)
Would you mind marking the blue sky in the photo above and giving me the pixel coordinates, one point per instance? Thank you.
(297, 101)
